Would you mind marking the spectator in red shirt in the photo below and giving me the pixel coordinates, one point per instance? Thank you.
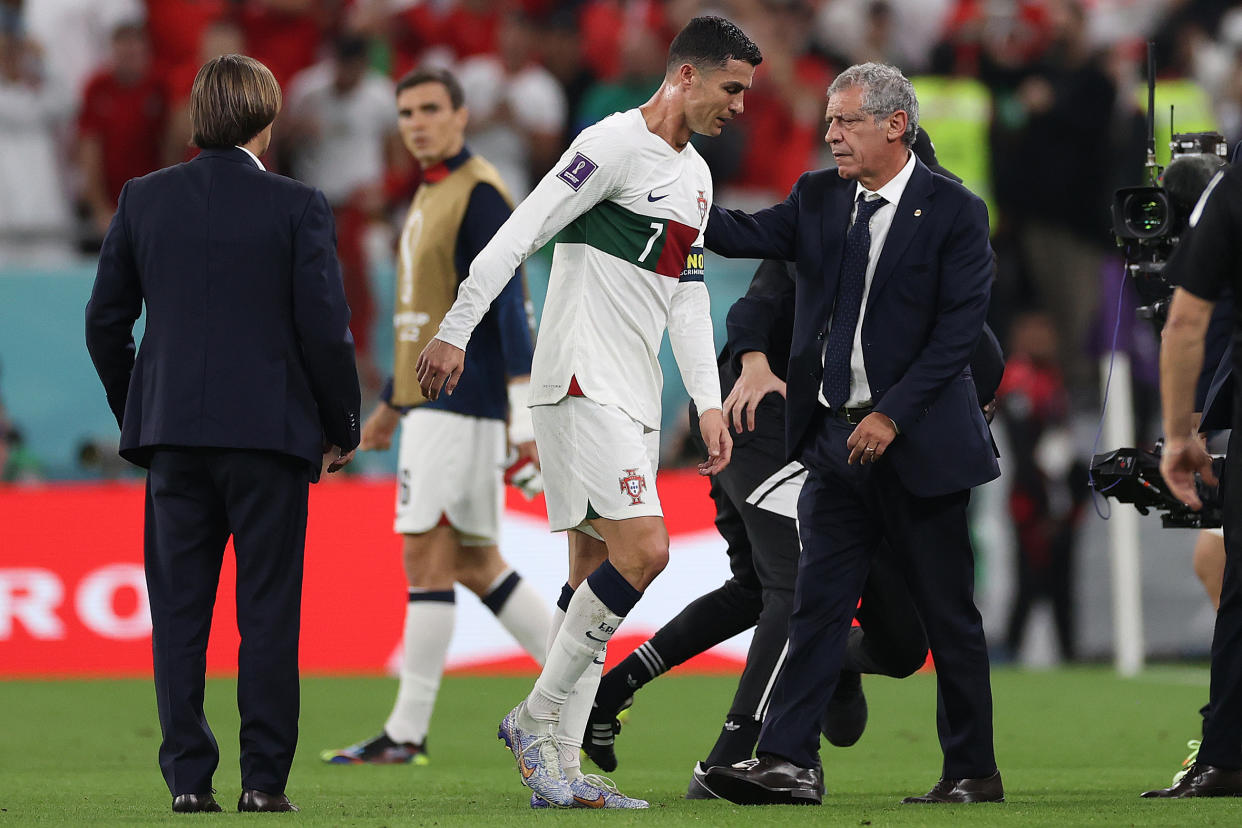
(285, 35)
(121, 125)
(176, 28)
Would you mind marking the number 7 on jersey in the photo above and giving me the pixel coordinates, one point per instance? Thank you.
(656, 228)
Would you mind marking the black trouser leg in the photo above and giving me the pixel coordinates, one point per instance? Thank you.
(1222, 726)
(184, 539)
(266, 497)
(932, 541)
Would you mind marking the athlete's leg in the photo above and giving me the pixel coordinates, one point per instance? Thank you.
(514, 601)
(429, 559)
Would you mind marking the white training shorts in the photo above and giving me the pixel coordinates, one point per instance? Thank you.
(451, 466)
(598, 456)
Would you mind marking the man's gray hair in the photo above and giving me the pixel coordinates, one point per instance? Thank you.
(885, 90)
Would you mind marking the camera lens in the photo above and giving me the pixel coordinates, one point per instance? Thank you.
(1146, 214)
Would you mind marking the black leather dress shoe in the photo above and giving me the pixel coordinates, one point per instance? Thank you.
(195, 804)
(768, 780)
(845, 718)
(261, 801)
(1201, 780)
(983, 789)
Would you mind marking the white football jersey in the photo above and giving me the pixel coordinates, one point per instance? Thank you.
(628, 264)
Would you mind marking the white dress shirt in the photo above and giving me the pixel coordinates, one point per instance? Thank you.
(881, 220)
(253, 158)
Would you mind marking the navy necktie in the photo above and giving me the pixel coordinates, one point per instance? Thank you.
(848, 302)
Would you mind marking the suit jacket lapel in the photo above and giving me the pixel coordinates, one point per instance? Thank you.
(915, 199)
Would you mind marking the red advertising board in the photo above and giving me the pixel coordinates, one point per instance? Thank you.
(73, 598)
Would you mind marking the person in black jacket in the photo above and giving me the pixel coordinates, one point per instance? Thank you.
(244, 385)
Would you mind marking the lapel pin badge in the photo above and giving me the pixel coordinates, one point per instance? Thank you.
(918, 212)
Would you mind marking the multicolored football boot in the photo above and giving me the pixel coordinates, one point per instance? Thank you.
(538, 759)
(593, 791)
(380, 750)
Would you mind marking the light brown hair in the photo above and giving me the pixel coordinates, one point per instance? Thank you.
(233, 99)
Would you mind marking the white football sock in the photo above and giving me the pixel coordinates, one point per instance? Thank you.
(574, 715)
(524, 614)
(588, 626)
(428, 631)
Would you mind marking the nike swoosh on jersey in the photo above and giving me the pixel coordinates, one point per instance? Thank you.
(651, 197)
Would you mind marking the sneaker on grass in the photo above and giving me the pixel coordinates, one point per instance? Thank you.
(380, 750)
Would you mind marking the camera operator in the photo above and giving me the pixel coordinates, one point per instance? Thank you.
(1208, 262)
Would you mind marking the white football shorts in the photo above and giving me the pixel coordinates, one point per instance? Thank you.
(451, 467)
(595, 456)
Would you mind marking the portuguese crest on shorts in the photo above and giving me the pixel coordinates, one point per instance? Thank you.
(633, 484)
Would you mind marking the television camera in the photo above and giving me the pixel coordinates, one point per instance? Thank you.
(1148, 222)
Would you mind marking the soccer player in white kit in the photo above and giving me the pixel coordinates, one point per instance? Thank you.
(630, 199)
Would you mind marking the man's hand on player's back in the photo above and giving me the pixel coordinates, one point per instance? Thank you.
(755, 382)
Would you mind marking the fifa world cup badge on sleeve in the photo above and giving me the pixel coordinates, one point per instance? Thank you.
(633, 484)
(577, 171)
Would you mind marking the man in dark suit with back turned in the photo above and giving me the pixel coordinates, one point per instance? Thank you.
(244, 381)
(892, 287)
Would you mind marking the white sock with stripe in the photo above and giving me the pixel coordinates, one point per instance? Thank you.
(429, 620)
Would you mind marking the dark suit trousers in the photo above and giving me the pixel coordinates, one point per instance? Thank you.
(196, 498)
(843, 512)
(1222, 725)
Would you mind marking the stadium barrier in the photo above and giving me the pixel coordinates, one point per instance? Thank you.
(73, 598)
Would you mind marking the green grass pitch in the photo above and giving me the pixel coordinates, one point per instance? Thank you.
(1075, 746)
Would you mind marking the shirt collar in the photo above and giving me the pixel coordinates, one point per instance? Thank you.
(891, 192)
(253, 158)
(439, 171)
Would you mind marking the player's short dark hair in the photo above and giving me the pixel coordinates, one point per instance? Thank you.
(434, 74)
(710, 42)
(233, 99)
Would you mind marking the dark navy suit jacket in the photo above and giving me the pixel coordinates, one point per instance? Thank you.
(247, 342)
(925, 312)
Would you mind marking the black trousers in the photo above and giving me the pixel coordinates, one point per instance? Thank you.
(844, 513)
(763, 549)
(196, 499)
(1222, 725)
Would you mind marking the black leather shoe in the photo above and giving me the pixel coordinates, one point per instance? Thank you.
(195, 804)
(983, 789)
(845, 718)
(768, 780)
(1201, 780)
(261, 801)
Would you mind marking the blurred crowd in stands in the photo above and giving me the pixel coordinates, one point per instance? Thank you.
(94, 92)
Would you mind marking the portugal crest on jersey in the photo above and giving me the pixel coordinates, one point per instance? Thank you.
(633, 484)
